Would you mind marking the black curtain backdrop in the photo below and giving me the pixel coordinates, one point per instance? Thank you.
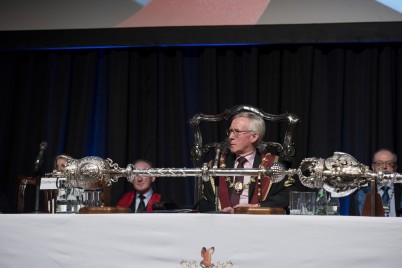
(131, 103)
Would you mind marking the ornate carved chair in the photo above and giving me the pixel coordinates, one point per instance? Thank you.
(201, 151)
(49, 196)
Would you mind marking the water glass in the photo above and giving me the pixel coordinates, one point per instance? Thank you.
(302, 203)
(333, 206)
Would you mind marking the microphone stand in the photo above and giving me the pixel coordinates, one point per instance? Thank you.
(216, 179)
(216, 193)
(37, 193)
(37, 173)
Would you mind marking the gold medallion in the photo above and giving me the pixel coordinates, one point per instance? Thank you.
(238, 187)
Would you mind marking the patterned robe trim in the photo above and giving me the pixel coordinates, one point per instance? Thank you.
(224, 197)
(267, 160)
(211, 179)
(127, 200)
(270, 183)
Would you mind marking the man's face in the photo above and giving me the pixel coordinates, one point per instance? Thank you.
(241, 143)
(383, 161)
(61, 164)
(142, 184)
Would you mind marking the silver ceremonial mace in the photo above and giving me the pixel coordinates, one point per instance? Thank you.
(340, 174)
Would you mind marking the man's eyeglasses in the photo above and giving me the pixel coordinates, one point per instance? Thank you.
(237, 132)
(382, 164)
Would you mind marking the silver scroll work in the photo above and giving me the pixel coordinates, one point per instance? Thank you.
(340, 174)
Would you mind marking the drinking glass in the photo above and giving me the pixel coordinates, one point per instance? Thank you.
(302, 203)
(333, 206)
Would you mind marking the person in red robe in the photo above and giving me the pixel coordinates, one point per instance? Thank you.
(245, 133)
(143, 196)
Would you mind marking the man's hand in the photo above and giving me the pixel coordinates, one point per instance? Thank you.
(246, 206)
(228, 210)
(231, 209)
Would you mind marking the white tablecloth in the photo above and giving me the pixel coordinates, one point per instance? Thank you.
(176, 240)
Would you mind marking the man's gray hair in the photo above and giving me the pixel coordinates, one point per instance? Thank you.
(386, 150)
(257, 123)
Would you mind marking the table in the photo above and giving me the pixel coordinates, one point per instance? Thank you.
(176, 240)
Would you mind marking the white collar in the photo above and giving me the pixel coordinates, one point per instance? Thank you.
(147, 194)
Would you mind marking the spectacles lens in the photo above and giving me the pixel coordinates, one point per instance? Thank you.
(235, 132)
(382, 164)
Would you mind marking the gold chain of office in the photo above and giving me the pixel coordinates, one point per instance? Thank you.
(239, 186)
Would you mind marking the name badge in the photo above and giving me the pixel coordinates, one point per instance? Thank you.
(52, 183)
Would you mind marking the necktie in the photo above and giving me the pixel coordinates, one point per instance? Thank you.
(235, 197)
(385, 195)
(141, 205)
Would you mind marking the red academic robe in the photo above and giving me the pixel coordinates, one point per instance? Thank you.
(127, 200)
(224, 195)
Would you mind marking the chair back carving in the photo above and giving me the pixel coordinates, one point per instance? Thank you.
(285, 149)
(49, 196)
(22, 185)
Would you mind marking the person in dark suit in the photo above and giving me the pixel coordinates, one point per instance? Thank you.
(386, 161)
(143, 196)
(246, 131)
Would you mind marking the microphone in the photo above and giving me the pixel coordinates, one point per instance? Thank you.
(217, 155)
(39, 158)
(221, 147)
